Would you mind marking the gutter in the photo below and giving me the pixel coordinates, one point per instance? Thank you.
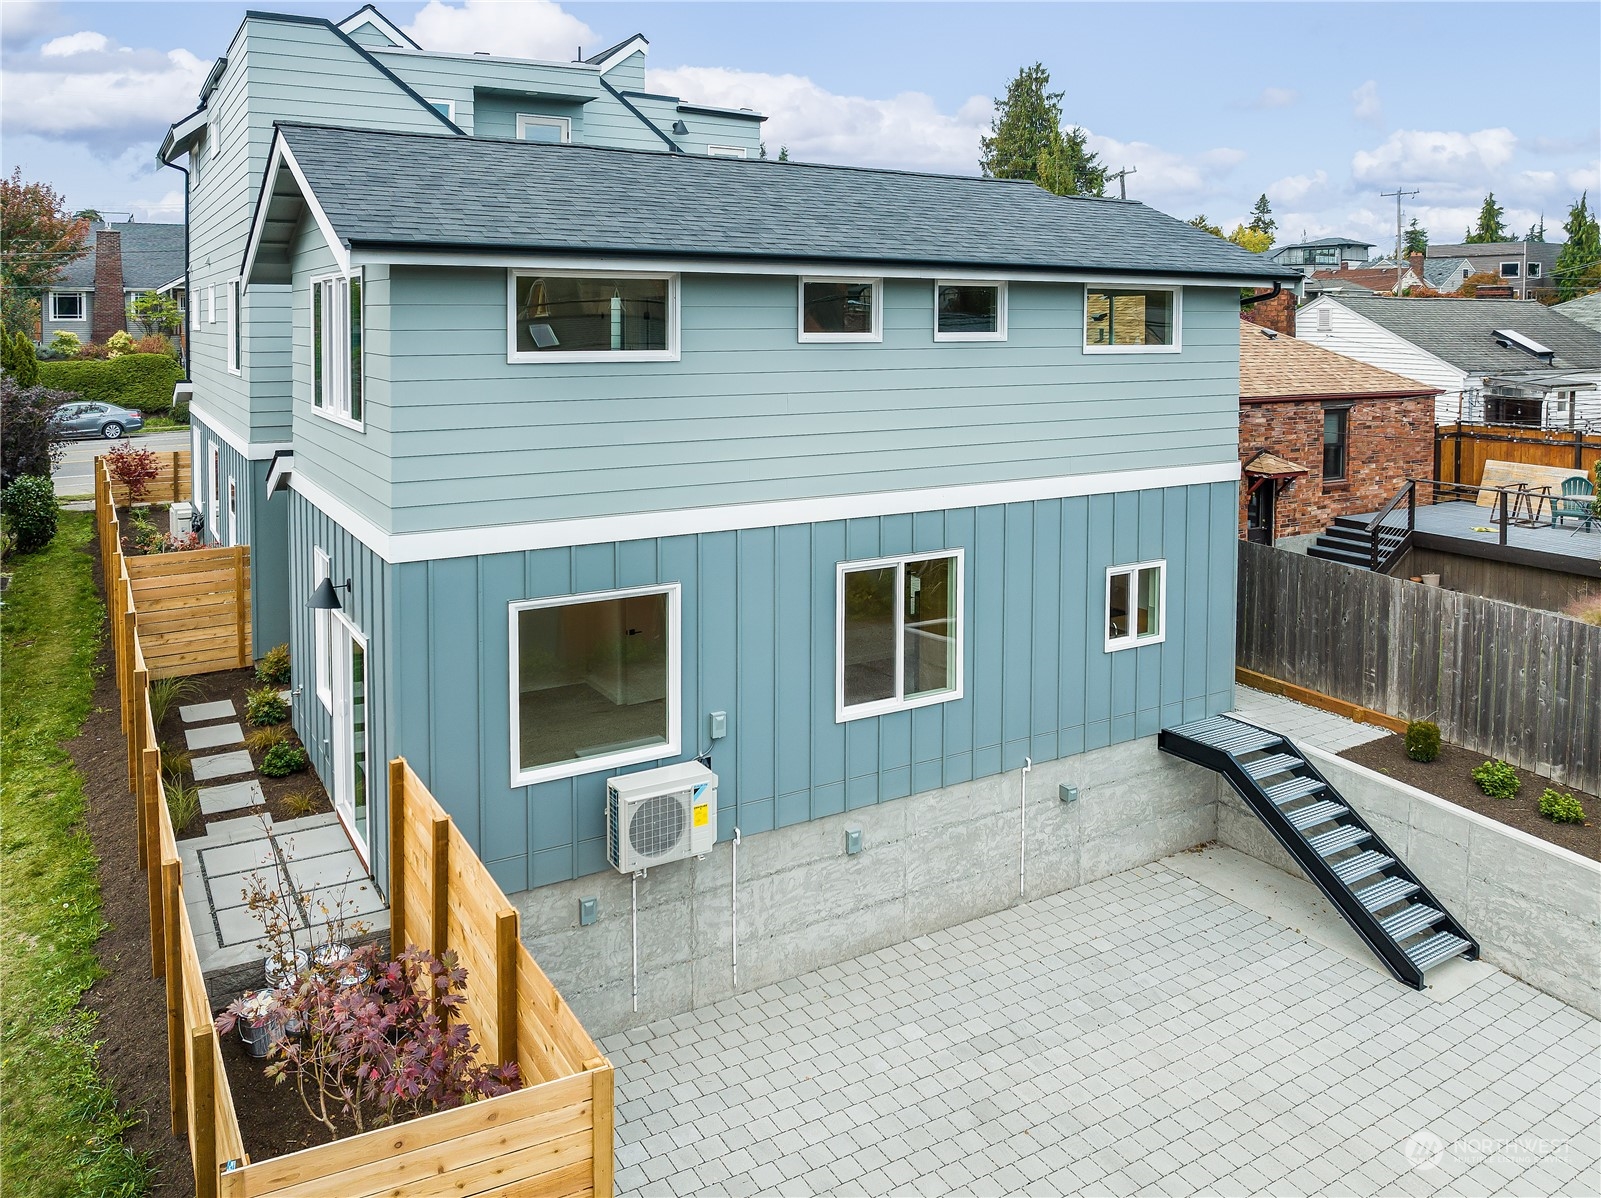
(185, 337)
(1278, 289)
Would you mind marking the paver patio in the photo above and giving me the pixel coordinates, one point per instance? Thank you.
(1139, 1034)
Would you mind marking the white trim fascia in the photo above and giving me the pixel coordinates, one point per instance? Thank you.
(1000, 310)
(278, 474)
(480, 59)
(1132, 640)
(254, 453)
(282, 155)
(636, 43)
(862, 711)
(673, 352)
(371, 16)
(690, 265)
(875, 334)
(602, 530)
(1177, 345)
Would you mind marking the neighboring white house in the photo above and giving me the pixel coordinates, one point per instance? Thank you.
(1497, 361)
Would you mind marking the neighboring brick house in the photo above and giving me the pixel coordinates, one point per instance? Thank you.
(1323, 435)
(125, 259)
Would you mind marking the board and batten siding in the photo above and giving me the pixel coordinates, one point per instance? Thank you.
(759, 614)
(1357, 337)
(261, 525)
(749, 414)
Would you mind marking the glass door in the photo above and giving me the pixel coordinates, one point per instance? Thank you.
(349, 660)
(1259, 512)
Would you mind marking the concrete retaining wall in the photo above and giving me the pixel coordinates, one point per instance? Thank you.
(1534, 908)
(927, 862)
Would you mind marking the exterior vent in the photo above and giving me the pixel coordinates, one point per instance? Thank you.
(660, 815)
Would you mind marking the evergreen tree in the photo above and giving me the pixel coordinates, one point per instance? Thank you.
(1578, 268)
(1416, 239)
(1068, 167)
(1026, 140)
(1490, 226)
(1536, 231)
(26, 362)
(1200, 222)
(1262, 218)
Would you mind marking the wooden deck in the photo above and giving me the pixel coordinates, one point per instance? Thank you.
(1449, 528)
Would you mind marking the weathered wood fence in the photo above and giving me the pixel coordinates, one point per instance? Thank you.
(172, 483)
(1506, 681)
(1461, 450)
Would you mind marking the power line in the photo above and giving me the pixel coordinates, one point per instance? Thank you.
(1400, 262)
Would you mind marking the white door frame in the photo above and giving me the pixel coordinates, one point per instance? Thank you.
(233, 511)
(342, 634)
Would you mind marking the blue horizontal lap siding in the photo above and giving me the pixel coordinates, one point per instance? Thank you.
(759, 643)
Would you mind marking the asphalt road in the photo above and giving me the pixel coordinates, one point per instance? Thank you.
(75, 474)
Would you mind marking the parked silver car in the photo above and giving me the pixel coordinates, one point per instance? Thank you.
(96, 420)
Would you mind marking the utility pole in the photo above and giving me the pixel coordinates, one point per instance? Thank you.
(1121, 177)
(1400, 262)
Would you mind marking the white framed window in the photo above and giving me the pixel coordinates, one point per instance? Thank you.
(337, 369)
(898, 627)
(322, 671)
(1131, 320)
(445, 108)
(596, 682)
(555, 130)
(211, 304)
(840, 309)
(196, 478)
(726, 152)
(233, 512)
(1509, 270)
(969, 311)
(1136, 605)
(572, 316)
(68, 306)
(1534, 270)
(234, 331)
(214, 497)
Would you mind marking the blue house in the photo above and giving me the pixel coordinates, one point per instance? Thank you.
(903, 504)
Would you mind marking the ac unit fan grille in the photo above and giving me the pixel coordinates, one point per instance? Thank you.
(658, 824)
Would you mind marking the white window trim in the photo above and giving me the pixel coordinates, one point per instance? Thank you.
(214, 499)
(515, 356)
(714, 151)
(1516, 271)
(564, 123)
(233, 510)
(1534, 270)
(83, 308)
(1178, 321)
(450, 108)
(1133, 640)
(877, 332)
(196, 478)
(338, 316)
(234, 353)
(861, 711)
(675, 684)
(211, 303)
(1000, 311)
(321, 632)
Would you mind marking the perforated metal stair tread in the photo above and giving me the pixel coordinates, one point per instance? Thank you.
(1314, 814)
(1439, 948)
(1416, 918)
(1273, 763)
(1387, 893)
(1295, 788)
(1347, 836)
(1364, 865)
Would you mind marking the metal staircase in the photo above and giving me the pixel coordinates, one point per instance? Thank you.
(1406, 927)
(1372, 543)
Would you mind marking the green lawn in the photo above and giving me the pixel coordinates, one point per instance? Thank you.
(59, 1127)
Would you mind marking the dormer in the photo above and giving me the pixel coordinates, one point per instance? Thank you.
(623, 65)
(369, 27)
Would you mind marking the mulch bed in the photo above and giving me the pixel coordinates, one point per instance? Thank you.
(272, 1119)
(236, 685)
(1450, 776)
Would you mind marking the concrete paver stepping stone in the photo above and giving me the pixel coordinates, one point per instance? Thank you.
(239, 858)
(199, 713)
(304, 844)
(221, 765)
(231, 796)
(214, 736)
(231, 831)
(331, 869)
(239, 926)
(359, 896)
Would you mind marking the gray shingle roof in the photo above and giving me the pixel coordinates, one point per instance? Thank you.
(1445, 274)
(1586, 310)
(1461, 331)
(152, 256)
(423, 190)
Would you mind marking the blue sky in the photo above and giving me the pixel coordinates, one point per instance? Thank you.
(1322, 106)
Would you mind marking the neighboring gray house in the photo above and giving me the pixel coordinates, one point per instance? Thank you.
(1326, 253)
(1586, 310)
(1499, 361)
(125, 259)
(1446, 274)
(1525, 266)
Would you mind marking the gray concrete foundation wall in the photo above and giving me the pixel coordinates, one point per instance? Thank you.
(927, 862)
(1534, 908)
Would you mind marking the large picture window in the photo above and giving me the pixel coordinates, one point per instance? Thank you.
(840, 310)
(899, 634)
(336, 364)
(589, 318)
(1136, 605)
(595, 682)
(1131, 321)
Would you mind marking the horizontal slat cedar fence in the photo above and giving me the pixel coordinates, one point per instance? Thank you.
(194, 606)
(171, 484)
(1510, 682)
(1461, 450)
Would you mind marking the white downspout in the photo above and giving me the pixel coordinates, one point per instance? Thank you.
(1022, 826)
(733, 902)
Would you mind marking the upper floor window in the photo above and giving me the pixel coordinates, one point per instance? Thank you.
(234, 330)
(726, 152)
(67, 305)
(1336, 432)
(833, 309)
(211, 304)
(899, 634)
(592, 318)
(336, 365)
(445, 108)
(1509, 270)
(1136, 605)
(969, 311)
(1534, 270)
(553, 129)
(1144, 320)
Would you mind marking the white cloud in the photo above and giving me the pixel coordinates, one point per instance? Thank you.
(1368, 108)
(1439, 159)
(1587, 178)
(101, 97)
(1292, 189)
(527, 29)
(1275, 97)
(167, 208)
(907, 130)
(1163, 175)
(26, 20)
(74, 43)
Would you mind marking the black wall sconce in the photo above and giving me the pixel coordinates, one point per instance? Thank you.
(326, 596)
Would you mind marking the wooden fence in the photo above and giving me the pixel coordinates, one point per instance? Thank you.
(1461, 450)
(194, 606)
(173, 480)
(1506, 681)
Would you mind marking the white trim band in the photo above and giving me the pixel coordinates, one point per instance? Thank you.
(253, 453)
(601, 530)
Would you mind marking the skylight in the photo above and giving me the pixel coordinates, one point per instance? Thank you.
(1510, 338)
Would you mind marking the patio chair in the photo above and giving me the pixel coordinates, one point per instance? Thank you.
(1575, 503)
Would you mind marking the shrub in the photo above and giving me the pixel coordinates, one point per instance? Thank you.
(18, 359)
(133, 469)
(167, 692)
(181, 544)
(157, 313)
(155, 343)
(143, 534)
(1586, 609)
(274, 666)
(1497, 779)
(31, 511)
(1561, 808)
(31, 443)
(264, 705)
(301, 803)
(1423, 740)
(282, 760)
(119, 343)
(183, 803)
(65, 344)
(263, 739)
(141, 381)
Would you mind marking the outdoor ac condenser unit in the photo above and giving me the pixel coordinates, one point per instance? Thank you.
(660, 815)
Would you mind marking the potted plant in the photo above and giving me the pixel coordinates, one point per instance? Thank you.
(260, 1018)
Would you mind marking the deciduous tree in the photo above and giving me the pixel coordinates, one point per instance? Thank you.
(1258, 241)
(37, 239)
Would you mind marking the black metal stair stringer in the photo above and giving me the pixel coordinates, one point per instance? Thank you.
(1378, 876)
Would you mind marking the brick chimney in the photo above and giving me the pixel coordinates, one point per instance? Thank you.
(1277, 313)
(110, 315)
(1415, 260)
